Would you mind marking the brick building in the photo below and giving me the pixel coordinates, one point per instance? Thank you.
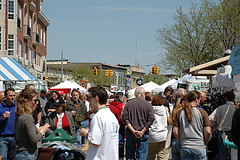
(23, 34)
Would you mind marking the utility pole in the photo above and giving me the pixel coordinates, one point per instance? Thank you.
(62, 66)
(136, 54)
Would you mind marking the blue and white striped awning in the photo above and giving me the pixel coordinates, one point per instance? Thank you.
(11, 70)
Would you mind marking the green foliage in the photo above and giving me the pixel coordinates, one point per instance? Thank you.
(199, 35)
(225, 18)
(81, 73)
(158, 79)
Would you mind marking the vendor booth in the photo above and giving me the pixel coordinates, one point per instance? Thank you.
(190, 82)
(153, 87)
(67, 86)
(234, 61)
(11, 72)
(149, 87)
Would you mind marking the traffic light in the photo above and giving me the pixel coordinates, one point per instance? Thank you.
(95, 71)
(153, 70)
(111, 73)
(156, 70)
(106, 72)
(46, 77)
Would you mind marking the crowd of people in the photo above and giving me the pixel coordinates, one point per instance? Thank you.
(147, 126)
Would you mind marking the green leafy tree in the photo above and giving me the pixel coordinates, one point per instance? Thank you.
(158, 79)
(225, 17)
(200, 35)
(81, 73)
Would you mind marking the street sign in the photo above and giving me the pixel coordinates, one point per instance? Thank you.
(84, 84)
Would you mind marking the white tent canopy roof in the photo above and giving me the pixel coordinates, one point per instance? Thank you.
(183, 80)
(68, 84)
(153, 87)
(168, 83)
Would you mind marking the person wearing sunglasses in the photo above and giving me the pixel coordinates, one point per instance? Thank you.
(60, 119)
(50, 104)
(27, 134)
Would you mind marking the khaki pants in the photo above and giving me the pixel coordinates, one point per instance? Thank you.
(156, 149)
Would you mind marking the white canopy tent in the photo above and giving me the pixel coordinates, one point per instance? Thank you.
(69, 85)
(153, 87)
(149, 87)
(169, 83)
(183, 80)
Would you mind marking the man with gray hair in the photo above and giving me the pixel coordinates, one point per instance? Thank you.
(181, 92)
(138, 115)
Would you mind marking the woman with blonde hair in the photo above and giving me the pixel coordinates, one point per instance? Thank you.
(176, 147)
(195, 128)
(27, 135)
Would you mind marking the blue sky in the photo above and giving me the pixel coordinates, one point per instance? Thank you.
(107, 31)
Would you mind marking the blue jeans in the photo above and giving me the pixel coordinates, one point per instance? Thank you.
(79, 138)
(25, 155)
(176, 149)
(8, 147)
(83, 139)
(223, 150)
(193, 154)
(141, 151)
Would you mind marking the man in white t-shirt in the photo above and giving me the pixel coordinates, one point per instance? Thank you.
(103, 132)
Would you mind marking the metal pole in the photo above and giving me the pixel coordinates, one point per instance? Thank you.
(62, 66)
(136, 54)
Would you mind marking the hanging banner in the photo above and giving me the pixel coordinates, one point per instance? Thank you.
(234, 60)
(128, 83)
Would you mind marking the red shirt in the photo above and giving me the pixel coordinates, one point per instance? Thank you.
(65, 124)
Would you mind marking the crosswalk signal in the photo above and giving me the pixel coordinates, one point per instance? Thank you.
(106, 72)
(111, 73)
(95, 71)
(153, 70)
(156, 70)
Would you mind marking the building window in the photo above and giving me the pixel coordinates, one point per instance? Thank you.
(44, 37)
(41, 35)
(0, 5)
(29, 55)
(19, 16)
(30, 22)
(37, 58)
(19, 49)
(10, 9)
(24, 53)
(10, 44)
(0, 38)
(33, 56)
